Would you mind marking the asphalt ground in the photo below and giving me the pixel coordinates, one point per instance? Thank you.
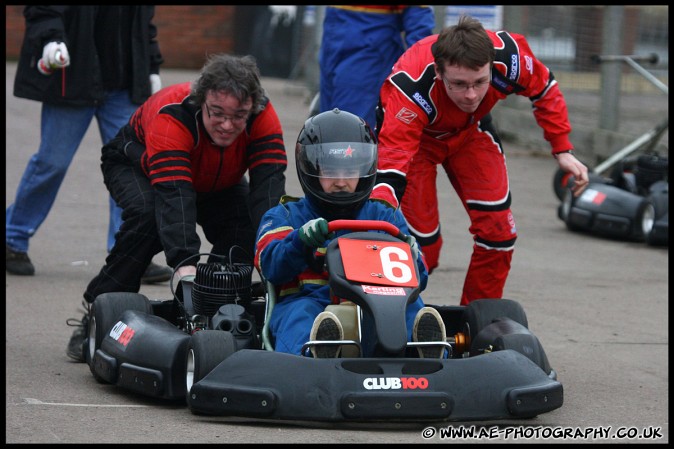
(598, 306)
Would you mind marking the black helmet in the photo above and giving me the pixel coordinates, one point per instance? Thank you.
(332, 142)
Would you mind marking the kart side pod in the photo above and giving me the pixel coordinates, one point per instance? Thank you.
(607, 210)
(145, 354)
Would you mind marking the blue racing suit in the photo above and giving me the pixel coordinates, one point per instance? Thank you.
(359, 46)
(302, 292)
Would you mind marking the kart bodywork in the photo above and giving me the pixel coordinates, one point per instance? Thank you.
(221, 360)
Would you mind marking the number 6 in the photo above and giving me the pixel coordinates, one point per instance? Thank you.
(389, 265)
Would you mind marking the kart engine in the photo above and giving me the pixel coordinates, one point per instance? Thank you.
(217, 284)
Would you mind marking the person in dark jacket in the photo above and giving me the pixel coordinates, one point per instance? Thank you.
(182, 160)
(80, 62)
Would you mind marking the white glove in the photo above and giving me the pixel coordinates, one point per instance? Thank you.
(155, 83)
(54, 56)
(282, 14)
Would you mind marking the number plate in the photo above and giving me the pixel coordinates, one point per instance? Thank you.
(378, 262)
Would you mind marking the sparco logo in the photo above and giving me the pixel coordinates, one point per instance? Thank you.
(395, 383)
(422, 102)
(513, 67)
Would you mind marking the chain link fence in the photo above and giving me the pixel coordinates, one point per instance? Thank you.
(566, 37)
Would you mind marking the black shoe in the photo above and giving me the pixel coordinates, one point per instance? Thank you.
(326, 328)
(155, 274)
(76, 345)
(429, 327)
(18, 263)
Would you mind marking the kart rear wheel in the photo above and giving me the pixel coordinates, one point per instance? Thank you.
(503, 334)
(205, 350)
(482, 312)
(645, 220)
(104, 313)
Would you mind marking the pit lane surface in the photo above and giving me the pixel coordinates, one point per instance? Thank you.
(599, 307)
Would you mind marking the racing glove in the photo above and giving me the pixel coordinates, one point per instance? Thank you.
(54, 56)
(314, 232)
(414, 246)
(155, 83)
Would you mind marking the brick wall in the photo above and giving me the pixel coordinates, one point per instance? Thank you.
(15, 26)
(186, 34)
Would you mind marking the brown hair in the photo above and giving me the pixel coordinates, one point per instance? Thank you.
(236, 75)
(465, 44)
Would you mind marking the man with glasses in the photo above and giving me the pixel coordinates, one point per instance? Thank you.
(181, 161)
(434, 110)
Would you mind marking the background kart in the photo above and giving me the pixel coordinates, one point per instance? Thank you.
(222, 359)
(633, 204)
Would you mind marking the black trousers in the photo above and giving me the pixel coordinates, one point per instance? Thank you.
(224, 217)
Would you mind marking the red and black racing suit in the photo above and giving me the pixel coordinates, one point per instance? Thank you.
(420, 127)
(168, 176)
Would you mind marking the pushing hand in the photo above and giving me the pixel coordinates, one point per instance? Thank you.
(577, 169)
(314, 232)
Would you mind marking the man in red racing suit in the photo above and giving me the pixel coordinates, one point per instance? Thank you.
(430, 113)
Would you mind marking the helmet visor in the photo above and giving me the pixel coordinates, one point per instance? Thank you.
(341, 160)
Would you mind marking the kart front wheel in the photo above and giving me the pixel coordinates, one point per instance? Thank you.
(205, 350)
(104, 313)
(562, 180)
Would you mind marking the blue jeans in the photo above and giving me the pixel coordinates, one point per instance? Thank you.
(62, 129)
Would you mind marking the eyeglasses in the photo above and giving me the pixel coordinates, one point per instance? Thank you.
(237, 119)
(463, 87)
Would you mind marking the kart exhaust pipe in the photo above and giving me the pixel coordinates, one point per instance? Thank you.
(239, 327)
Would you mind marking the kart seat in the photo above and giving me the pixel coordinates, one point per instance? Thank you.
(347, 312)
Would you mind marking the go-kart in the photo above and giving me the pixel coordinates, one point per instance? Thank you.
(632, 204)
(222, 360)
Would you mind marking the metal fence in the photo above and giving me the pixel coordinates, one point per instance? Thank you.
(566, 37)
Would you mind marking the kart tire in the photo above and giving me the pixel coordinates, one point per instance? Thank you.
(104, 313)
(560, 183)
(650, 168)
(659, 235)
(644, 221)
(563, 180)
(481, 313)
(564, 209)
(205, 350)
